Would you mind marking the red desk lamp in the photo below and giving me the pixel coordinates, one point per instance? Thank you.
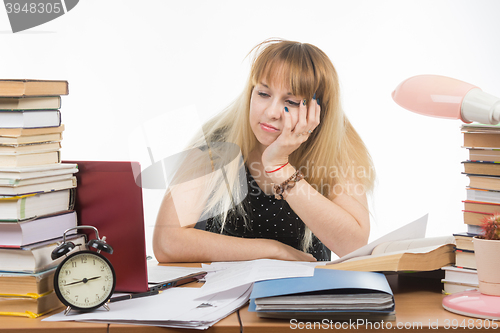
(444, 97)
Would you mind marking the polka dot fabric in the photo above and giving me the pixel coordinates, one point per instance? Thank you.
(267, 218)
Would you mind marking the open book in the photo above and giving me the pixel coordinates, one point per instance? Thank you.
(422, 254)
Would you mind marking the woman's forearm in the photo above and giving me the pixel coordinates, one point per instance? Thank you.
(339, 229)
(193, 245)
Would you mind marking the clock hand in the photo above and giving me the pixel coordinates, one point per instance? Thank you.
(69, 284)
(92, 278)
(85, 280)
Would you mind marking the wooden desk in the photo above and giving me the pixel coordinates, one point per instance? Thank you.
(22, 325)
(418, 307)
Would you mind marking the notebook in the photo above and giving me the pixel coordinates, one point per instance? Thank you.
(333, 294)
(108, 198)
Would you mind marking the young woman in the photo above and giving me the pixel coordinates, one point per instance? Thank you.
(297, 187)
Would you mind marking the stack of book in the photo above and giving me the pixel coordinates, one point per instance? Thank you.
(482, 168)
(36, 194)
(463, 275)
(464, 250)
(483, 171)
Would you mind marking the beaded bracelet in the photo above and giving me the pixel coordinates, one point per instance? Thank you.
(279, 190)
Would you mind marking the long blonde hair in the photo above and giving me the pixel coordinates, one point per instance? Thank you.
(333, 156)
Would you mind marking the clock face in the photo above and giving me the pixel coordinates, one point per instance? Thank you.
(84, 280)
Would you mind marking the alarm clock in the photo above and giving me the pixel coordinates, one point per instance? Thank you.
(85, 280)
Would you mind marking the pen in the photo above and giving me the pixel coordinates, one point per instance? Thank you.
(175, 283)
(131, 296)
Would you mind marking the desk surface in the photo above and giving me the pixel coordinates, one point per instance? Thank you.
(418, 306)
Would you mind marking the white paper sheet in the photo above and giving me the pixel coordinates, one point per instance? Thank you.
(174, 307)
(204, 320)
(235, 274)
(165, 306)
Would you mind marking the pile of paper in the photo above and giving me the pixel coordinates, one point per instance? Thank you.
(227, 288)
(175, 307)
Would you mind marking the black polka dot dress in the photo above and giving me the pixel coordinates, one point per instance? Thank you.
(269, 218)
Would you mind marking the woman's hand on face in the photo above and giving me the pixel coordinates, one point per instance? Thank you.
(294, 133)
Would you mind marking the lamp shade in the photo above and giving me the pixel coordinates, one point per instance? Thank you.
(433, 95)
(444, 97)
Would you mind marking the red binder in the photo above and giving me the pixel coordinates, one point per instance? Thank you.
(108, 198)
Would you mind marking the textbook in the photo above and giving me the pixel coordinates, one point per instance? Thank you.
(481, 207)
(21, 284)
(55, 185)
(31, 148)
(30, 103)
(24, 87)
(483, 195)
(36, 257)
(464, 241)
(482, 140)
(452, 287)
(30, 139)
(31, 181)
(460, 275)
(31, 306)
(485, 154)
(475, 218)
(458, 279)
(21, 160)
(465, 258)
(19, 234)
(21, 132)
(481, 168)
(30, 118)
(328, 294)
(474, 229)
(423, 254)
(28, 206)
(484, 182)
(14, 175)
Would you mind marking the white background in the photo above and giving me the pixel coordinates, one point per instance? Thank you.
(129, 62)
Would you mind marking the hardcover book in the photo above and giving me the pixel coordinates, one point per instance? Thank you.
(484, 182)
(19, 234)
(22, 160)
(21, 132)
(30, 306)
(482, 168)
(36, 257)
(25, 207)
(30, 103)
(30, 118)
(21, 284)
(66, 182)
(24, 87)
(465, 259)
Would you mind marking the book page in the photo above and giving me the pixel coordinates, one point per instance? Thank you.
(382, 259)
(412, 230)
(412, 244)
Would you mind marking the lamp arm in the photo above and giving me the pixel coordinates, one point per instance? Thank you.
(480, 107)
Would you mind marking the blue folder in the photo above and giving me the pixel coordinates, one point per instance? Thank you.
(327, 280)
